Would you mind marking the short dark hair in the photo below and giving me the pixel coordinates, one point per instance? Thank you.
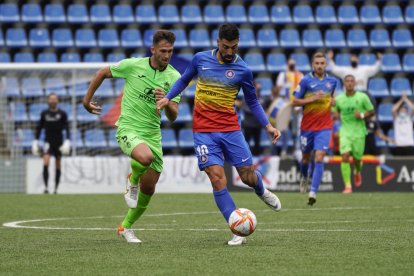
(318, 55)
(163, 35)
(228, 32)
(349, 76)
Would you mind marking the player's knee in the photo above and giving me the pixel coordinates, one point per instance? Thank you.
(248, 177)
(147, 160)
(345, 158)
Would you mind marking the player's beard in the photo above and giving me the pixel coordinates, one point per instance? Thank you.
(226, 59)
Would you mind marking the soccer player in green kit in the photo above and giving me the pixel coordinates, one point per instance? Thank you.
(353, 108)
(139, 134)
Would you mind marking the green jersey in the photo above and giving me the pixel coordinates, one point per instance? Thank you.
(346, 106)
(138, 102)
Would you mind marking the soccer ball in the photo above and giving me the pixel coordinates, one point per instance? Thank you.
(242, 222)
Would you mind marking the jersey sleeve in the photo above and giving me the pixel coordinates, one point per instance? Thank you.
(190, 72)
(122, 68)
(300, 89)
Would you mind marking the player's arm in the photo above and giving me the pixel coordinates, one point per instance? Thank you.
(367, 105)
(408, 103)
(171, 109)
(299, 95)
(396, 106)
(35, 143)
(97, 80)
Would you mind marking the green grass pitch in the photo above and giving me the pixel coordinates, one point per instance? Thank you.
(184, 234)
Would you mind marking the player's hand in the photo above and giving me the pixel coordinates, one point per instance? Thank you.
(65, 147)
(274, 133)
(357, 115)
(35, 147)
(161, 104)
(318, 96)
(92, 107)
(159, 94)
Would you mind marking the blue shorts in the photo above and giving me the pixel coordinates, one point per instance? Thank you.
(315, 140)
(212, 148)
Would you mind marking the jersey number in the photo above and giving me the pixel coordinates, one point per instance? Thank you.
(202, 150)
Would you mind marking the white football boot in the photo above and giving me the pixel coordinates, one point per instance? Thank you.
(304, 184)
(271, 200)
(237, 240)
(131, 194)
(128, 234)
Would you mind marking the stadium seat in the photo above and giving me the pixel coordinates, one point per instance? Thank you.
(312, 38)
(39, 38)
(409, 14)
(265, 139)
(100, 13)
(115, 57)
(199, 38)
(168, 14)
(145, 14)
(400, 86)
(23, 57)
(25, 137)
(18, 111)
(367, 59)
(214, 36)
(123, 14)
(1, 38)
(335, 38)
(391, 63)
(280, 14)
(76, 139)
(148, 35)
(302, 14)
(95, 138)
(380, 143)
(266, 38)
(105, 90)
(78, 13)
(85, 38)
(108, 38)
(276, 62)
(62, 38)
(279, 142)
(168, 139)
(378, 87)
(185, 138)
(180, 38)
(343, 59)
(9, 13)
(370, 14)
(408, 62)
(391, 135)
(34, 111)
(348, 15)
(379, 38)
(131, 38)
(16, 37)
(289, 38)
(32, 87)
(70, 57)
(385, 112)
(55, 85)
(191, 14)
(31, 13)
(12, 87)
(258, 14)
(325, 14)
(112, 142)
(302, 61)
(184, 113)
(4, 57)
(55, 13)
(213, 14)
(236, 14)
(357, 38)
(93, 57)
(67, 107)
(119, 85)
(392, 15)
(84, 116)
(255, 61)
(247, 39)
(402, 38)
(267, 84)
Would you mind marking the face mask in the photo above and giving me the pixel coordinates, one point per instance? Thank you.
(291, 67)
(354, 64)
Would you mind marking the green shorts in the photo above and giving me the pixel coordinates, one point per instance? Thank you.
(129, 139)
(354, 145)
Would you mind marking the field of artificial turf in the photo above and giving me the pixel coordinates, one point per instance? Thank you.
(184, 234)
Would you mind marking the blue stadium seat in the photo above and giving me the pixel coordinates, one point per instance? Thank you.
(115, 57)
(400, 86)
(23, 57)
(302, 14)
(184, 113)
(214, 36)
(199, 38)
(409, 14)
(32, 87)
(78, 13)
(4, 57)
(62, 38)
(392, 14)
(312, 38)
(18, 111)
(123, 14)
(55, 85)
(236, 14)
(348, 14)
(367, 59)
(391, 63)
(84, 116)
(25, 137)
(108, 38)
(180, 38)
(402, 38)
(247, 39)
(1, 38)
(357, 38)
(168, 139)
(55, 13)
(16, 37)
(258, 14)
(264, 139)
(385, 112)
(191, 14)
(213, 14)
(391, 135)
(266, 84)
(95, 138)
(70, 57)
(34, 111)
(255, 61)
(380, 143)
(276, 62)
(302, 61)
(343, 59)
(85, 38)
(168, 14)
(280, 14)
(131, 38)
(93, 57)
(119, 85)
(408, 62)
(9, 13)
(378, 87)
(267, 38)
(325, 14)
(105, 90)
(185, 138)
(67, 107)
(279, 142)
(148, 35)
(145, 14)
(39, 37)
(32, 13)
(289, 38)
(76, 139)
(370, 14)
(379, 38)
(12, 87)
(100, 13)
(335, 38)
(112, 143)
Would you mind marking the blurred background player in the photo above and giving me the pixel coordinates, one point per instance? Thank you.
(217, 135)
(315, 94)
(353, 108)
(402, 113)
(54, 121)
(139, 133)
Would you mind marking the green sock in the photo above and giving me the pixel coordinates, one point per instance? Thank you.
(134, 214)
(137, 171)
(358, 167)
(346, 173)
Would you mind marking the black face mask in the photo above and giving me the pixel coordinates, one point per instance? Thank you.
(354, 64)
(292, 67)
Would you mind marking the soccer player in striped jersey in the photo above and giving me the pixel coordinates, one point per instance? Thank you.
(217, 135)
(315, 94)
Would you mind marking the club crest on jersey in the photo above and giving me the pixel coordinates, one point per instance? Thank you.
(230, 74)
(203, 159)
(328, 85)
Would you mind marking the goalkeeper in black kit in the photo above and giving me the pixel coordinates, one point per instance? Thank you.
(55, 122)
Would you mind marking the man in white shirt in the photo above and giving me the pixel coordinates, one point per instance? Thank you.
(403, 112)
